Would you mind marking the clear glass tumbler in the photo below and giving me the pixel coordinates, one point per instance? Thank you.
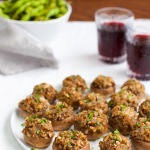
(113, 24)
(138, 51)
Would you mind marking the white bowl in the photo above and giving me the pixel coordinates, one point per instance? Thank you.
(45, 31)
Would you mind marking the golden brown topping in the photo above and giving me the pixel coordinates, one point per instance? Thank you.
(94, 101)
(144, 109)
(75, 81)
(71, 140)
(134, 86)
(123, 97)
(59, 112)
(115, 141)
(142, 129)
(46, 90)
(91, 121)
(70, 96)
(38, 128)
(103, 82)
(122, 118)
(34, 104)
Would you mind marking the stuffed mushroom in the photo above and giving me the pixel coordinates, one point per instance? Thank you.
(115, 141)
(94, 124)
(38, 132)
(75, 81)
(71, 140)
(47, 91)
(135, 87)
(34, 104)
(94, 101)
(144, 109)
(122, 118)
(61, 115)
(123, 97)
(71, 96)
(103, 85)
(140, 136)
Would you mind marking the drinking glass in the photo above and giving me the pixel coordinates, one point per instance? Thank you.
(138, 51)
(113, 24)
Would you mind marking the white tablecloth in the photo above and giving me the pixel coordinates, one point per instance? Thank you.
(76, 50)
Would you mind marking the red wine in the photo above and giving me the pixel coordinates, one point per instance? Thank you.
(112, 40)
(138, 55)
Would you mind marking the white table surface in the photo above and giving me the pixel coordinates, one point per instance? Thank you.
(76, 50)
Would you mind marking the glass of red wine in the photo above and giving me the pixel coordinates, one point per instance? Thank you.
(138, 51)
(113, 24)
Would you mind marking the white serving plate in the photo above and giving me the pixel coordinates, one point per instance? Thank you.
(17, 120)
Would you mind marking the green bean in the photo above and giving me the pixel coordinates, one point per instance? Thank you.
(3, 15)
(53, 12)
(36, 10)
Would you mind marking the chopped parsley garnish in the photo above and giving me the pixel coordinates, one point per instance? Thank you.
(98, 123)
(118, 139)
(116, 131)
(145, 127)
(32, 149)
(85, 101)
(35, 116)
(72, 95)
(77, 112)
(41, 121)
(37, 96)
(122, 91)
(122, 107)
(147, 120)
(90, 116)
(77, 88)
(38, 131)
(37, 101)
(123, 149)
(62, 105)
(89, 119)
(69, 143)
(146, 102)
(22, 124)
(138, 123)
(129, 95)
(30, 119)
(72, 137)
(38, 90)
(46, 121)
(110, 103)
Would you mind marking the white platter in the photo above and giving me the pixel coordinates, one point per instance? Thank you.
(17, 120)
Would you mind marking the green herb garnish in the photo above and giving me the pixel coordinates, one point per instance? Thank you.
(118, 139)
(116, 131)
(37, 96)
(122, 91)
(38, 131)
(85, 101)
(72, 137)
(62, 105)
(38, 90)
(32, 149)
(98, 131)
(35, 116)
(129, 95)
(22, 124)
(110, 103)
(145, 127)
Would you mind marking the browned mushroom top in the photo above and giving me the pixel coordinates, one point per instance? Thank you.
(35, 127)
(71, 140)
(46, 90)
(124, 97)
(115, 141)
(91, 121)
(144, 109)
(134, 86)
(128, 114)
(103, 82)
(69, 95)
(34, 103)
(142, 130)
(93, 101)
(76, 81)
(59, 112)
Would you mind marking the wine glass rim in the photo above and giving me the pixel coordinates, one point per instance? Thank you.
(114, 8)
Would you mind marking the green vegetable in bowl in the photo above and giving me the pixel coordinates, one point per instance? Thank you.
(33, 10)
